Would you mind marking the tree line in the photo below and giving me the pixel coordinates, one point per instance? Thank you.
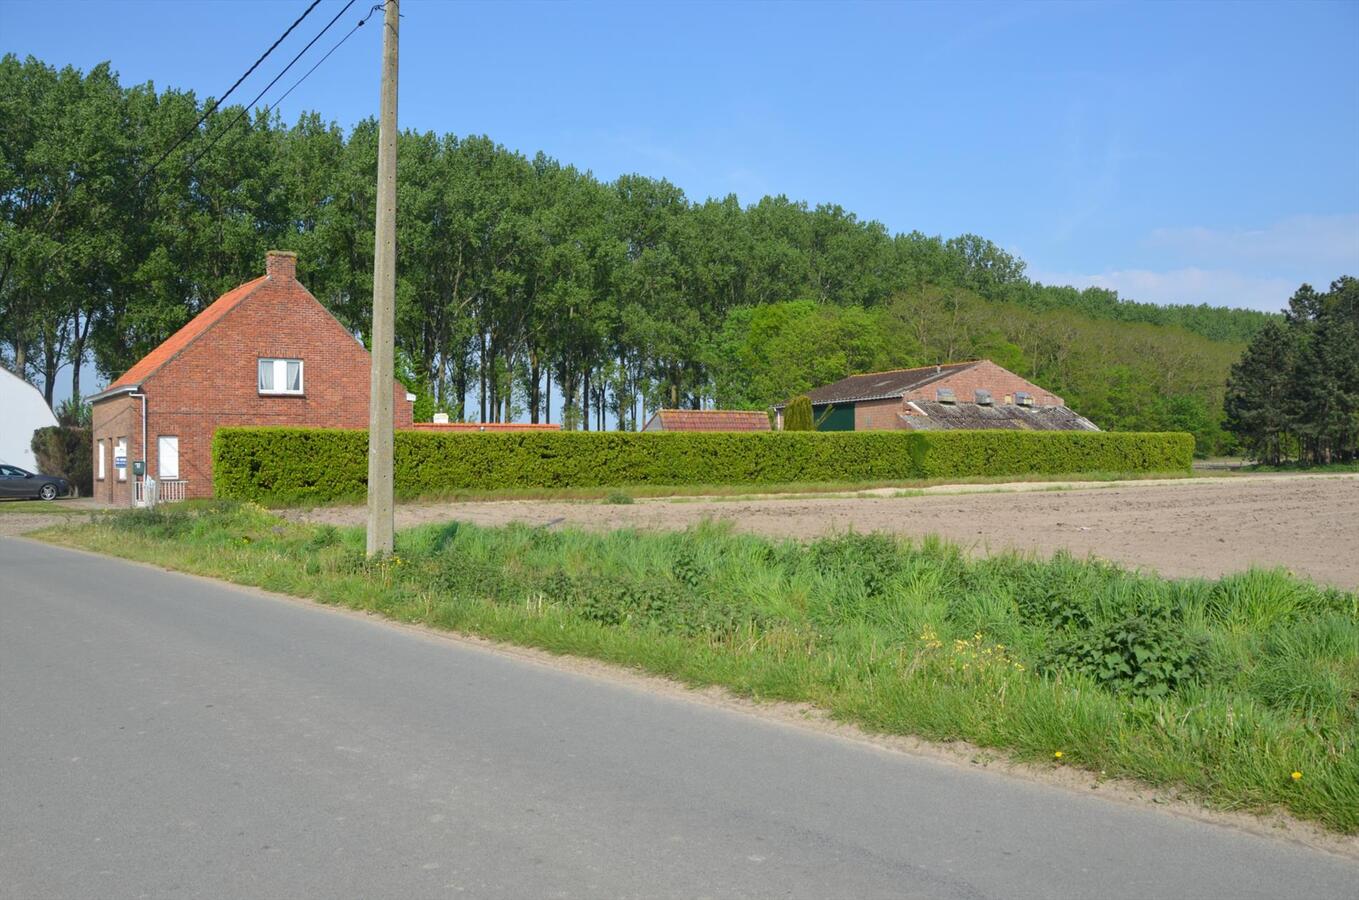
(1294, 394)
(526, 285)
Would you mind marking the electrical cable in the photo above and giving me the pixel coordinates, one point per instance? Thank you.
(220, 100)
(246, 109)
(350, 34)
(274, 105)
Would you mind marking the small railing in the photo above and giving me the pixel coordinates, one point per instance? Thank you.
(150, 492)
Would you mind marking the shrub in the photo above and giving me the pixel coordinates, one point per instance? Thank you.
(797, 416)
(65, 451)
(289, 464)
(1146, 655)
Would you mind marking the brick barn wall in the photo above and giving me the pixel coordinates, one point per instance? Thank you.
(988, 376)
(213, 382)
(877, 415)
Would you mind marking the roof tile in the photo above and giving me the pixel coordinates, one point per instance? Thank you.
(713, 420)
(185, 336)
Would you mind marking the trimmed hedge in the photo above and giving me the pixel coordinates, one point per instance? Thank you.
(963, 454)
(314, 464)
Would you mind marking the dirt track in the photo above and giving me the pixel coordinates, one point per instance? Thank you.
(1308, 524)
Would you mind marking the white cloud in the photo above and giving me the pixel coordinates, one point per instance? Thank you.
(1328, 242)
(1216, 287)
(1257, 268)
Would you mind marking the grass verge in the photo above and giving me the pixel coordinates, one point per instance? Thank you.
(1240, 691)
(40, 507)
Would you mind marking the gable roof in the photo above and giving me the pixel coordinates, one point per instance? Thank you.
(882, 385)
(171, 346)
(710, 420)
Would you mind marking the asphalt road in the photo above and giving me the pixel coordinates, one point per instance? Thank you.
(163, 736)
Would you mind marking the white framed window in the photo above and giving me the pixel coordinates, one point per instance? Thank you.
(120, 458)
(99, 463)
(167, 457)
(280, 376)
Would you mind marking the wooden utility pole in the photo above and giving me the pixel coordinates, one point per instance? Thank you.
(380, 412)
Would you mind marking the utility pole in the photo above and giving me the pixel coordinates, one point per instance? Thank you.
(380, 478)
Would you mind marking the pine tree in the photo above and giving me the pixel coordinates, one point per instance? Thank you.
(1257, 391)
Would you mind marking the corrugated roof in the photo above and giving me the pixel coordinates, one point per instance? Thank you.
(880, 385)
(712, 420)
(185, 336)
(971, 416)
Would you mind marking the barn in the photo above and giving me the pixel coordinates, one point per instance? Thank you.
(977, 394)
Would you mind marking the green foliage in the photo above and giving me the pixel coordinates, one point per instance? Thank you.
(289, 464)
(65, 451)
(797, 416)
(1295, 392)
(1146, 655)
(1221, 688)
(765, 354)
(960, 454)
(74, 413)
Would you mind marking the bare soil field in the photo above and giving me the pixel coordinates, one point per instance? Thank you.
(1308, 524)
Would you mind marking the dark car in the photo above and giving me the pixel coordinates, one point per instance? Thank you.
(16, 482)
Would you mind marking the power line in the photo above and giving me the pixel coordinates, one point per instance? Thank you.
(246, 109)
(220, 100)
(348, 35)
(275, 104)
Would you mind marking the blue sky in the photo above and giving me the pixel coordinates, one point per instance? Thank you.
(1177, 152)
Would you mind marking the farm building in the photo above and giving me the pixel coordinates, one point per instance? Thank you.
(25, 412)
(708, 420)
(966, 395)
(264, 353)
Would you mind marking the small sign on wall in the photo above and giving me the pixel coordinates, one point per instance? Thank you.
(139, 467)
(120, 462)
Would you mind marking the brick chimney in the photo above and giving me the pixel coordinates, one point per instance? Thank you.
(281, 264)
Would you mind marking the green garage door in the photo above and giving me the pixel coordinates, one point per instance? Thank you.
(841, 417)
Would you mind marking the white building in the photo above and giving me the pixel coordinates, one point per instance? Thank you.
(22, 412)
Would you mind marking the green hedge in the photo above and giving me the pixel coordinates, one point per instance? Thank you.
(962, 454)
(289, 464)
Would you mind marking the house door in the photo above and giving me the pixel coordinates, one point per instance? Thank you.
(167, 457)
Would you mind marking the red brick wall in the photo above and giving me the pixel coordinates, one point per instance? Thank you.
(877, 415)
(989, 376)
(213, 381)
(119, 416)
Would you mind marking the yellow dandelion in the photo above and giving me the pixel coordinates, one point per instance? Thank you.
(1297, 776)
(1057, 755)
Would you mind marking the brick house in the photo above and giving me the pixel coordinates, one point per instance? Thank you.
(264, 353)
(965, 395)
(708, 420)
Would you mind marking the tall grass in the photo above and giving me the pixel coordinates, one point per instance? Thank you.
(1224, 688)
